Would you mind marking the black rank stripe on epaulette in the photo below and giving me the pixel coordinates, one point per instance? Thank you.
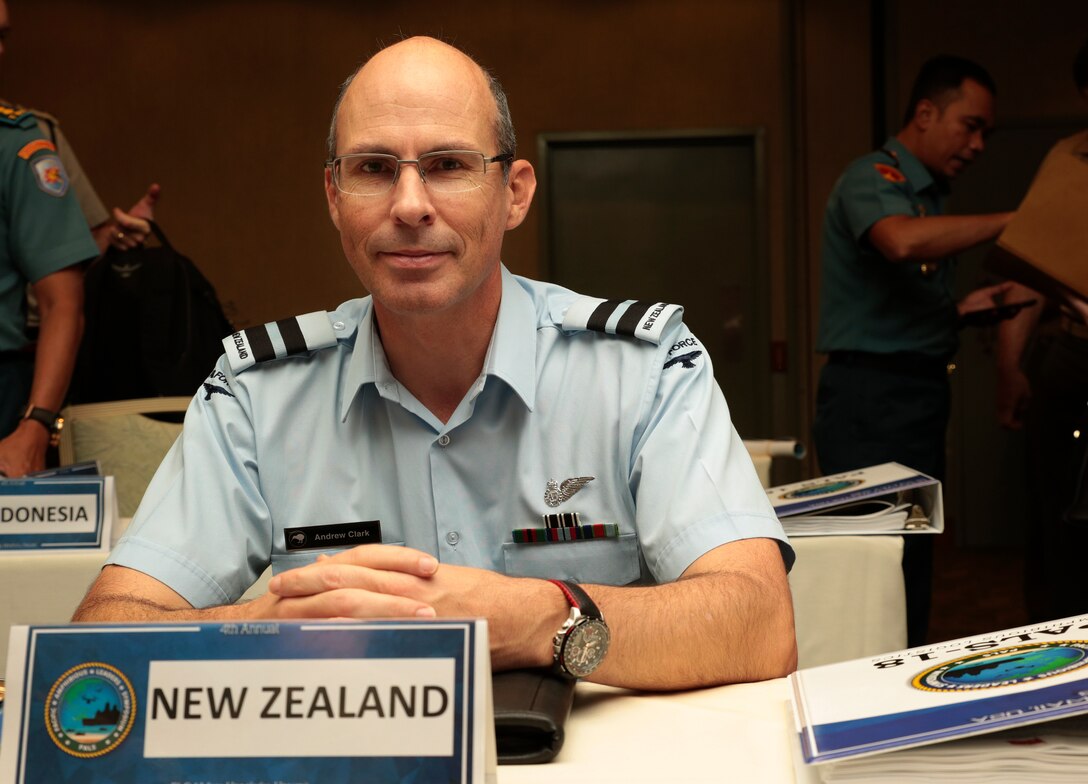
(279, 339)
(634, 318)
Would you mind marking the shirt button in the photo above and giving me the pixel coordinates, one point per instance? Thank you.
(338, 325)
(453, 538)
(444, 440)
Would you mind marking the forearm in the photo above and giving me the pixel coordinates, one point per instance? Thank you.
(116, 608)
(121, 594)
(58, 338)
(1013, 334)
(903, 238)
(729, 624)
(705, 630)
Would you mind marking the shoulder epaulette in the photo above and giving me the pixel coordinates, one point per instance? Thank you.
(44, 116)
(12, 114)
(279, 339)
(633, 318)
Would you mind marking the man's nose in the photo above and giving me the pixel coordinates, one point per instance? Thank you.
(411, 197)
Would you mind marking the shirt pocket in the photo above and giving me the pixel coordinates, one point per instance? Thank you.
(613, 561)
(282, 562)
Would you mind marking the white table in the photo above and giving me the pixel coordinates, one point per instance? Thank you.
(740, 733)
(847, 594)
(848, 597)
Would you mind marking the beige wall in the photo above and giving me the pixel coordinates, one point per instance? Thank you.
(226, 105)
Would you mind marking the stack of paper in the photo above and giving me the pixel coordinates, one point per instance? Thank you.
(881, 499)
(1007, 706)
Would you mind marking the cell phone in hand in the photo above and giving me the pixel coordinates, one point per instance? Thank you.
(990, 316)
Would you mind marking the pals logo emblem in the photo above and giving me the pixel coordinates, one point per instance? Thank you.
(90, 710)
(1005, 666)
(822, 488)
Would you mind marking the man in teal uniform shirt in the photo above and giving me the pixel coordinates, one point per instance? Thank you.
(43, 246)
(888, 318)
(44, 238)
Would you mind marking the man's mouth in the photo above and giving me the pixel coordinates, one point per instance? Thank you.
(420, 254)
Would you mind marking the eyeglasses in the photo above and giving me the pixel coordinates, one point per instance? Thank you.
(446, 171)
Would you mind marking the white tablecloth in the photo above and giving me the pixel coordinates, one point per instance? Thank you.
(847, 594)
(848, 597)
(740, 733)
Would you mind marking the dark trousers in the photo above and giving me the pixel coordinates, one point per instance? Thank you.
(1054, 585)
(16, 375)
(869, 415)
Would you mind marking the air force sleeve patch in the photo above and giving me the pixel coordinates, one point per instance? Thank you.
(634, 318)
(279, 339)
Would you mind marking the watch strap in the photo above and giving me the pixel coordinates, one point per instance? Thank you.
(579, 598)
(50, 420)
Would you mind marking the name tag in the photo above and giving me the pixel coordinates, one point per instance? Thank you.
(56, 513)
(256, 701)
(316, 537)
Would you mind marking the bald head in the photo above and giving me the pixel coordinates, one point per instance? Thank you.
(415, 70)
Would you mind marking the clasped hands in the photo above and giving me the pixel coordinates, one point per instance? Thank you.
(378, 581)
(375, 581)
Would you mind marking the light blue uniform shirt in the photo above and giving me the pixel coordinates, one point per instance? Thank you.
(329, 436)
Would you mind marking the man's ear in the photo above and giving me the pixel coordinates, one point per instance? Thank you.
(331, 194)
(925, 113)
(522, 185)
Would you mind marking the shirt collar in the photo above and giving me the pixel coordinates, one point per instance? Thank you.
(511, 356)
(512, 353)
(912, 168)
(367, 364)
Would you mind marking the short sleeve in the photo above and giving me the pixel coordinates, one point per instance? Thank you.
(46, 230)
(94, 211)
(870, 191)
(203, 527)
(694, 483)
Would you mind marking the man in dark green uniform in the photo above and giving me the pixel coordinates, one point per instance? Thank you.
(888, 320)
(43, 238)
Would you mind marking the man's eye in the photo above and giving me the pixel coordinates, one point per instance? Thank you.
(446, 163)
(371, 166)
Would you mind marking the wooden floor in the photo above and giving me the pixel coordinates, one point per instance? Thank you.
(975, 590)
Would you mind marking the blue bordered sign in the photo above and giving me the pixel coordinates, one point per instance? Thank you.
(56, 513)
(326, 701)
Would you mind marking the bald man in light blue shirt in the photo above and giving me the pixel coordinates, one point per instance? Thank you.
(450, 411)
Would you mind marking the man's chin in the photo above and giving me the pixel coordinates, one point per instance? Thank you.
(955, 168)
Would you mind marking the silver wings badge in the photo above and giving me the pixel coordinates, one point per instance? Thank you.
(556, 493)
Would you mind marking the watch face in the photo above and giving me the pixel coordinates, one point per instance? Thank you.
(585, 646)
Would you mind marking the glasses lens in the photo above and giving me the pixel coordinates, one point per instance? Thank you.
(451, 171)
(365, 175)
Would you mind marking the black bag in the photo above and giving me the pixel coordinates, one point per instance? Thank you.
(531, 707)
(153, 326)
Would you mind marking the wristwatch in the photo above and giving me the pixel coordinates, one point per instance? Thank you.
(582, 641)
(50, 420)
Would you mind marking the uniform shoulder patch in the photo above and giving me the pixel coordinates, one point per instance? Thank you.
(50, 175)
(889, 173)
(279, 339)
(15, 115)
(37, 145)
(634, 318)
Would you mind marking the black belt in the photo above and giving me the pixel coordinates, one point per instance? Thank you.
(905, 363)
(12, 356)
